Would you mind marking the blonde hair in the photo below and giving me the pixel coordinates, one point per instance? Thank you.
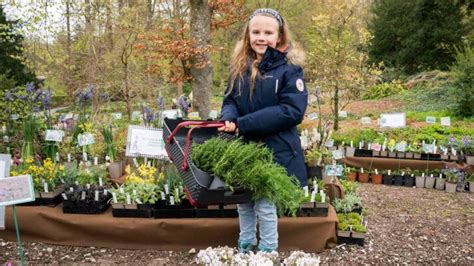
(243, 52)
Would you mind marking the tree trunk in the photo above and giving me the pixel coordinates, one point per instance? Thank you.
(90, 55)
(201, 69)
(128, 98)
(70, 88)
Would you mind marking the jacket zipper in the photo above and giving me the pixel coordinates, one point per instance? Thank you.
(276, 86)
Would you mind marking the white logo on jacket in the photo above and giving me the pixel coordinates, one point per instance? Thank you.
(300, 84)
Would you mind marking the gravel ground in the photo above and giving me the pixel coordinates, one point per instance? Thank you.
(406, 225)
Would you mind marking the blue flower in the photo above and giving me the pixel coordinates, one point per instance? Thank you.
(183, 103)
(30, 87)
(9, 96)
(161, 103)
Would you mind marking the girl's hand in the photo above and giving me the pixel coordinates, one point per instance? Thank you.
(229, 127)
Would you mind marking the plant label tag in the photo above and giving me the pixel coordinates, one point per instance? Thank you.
(64, 196)
(389, 172)
(343, 114)
(401, 146)
(316, 136)
(100, 182)
(430, 119)
(329, 143)
(106, 192)
(369, 146)
(54, 135)
(304, 142)
(453, 151)
(163, 197)
(428, 148)
(181, 190)
(71, 189)
(333, 170)
(171, 200)
(423, 174)
(394, 120)
(323, 197)
(96, 195)
(88, 186)
(83, 195)
(313, 196)
(114, 196)
(117, 116)
(352, 144)
(305, 188)
(376, 147)
(431, 175)
(167, 189)
(134, 192)
(68, 157)
(121, 190)
(213, 114)
(446, 121)
(362, 170)
(45, 187)
(85, 139)
(96, 160)
(57, 157)
(376, 171)
(365, 120)
(312, 116)
(129, 200)
(193, 115)
(361, 145)
(338, 154)
(138, 201)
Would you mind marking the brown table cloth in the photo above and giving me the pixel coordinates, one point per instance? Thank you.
(51, 225)
(395, 164)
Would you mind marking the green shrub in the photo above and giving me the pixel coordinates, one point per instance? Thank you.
(463, 72)
(384, 90)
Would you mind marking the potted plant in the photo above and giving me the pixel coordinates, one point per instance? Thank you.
(313, 159)
(398, 177)
(350, 228)
(440, 182)
(391, 149)
(419, 178)
(451, 181)
(470, 179)
(430, 179)
(351, 173)
(376, 177)
(115, 167)
(363, 176)
(466, 146)
(387, 177)
(408, 178)
(415, 147)
(350, 203)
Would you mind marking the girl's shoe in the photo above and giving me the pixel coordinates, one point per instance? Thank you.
(245, 247)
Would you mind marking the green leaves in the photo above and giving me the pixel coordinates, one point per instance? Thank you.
(250, 166)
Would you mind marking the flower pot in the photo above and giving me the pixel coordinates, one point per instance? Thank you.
(350, 151)
(444, 157)
(451, 187)
(377, 178)
(440, 182)
(471, 186)
(383, 153)
(400, 155)
(115, 170)
(453, 157)
(376, 153)
(420, 181)
(409, 181)
(470, 160)
(398, 180)
(363, 177)
(392, 154)
(351, 176)
(387, 179)
(409, 155)
(429, 182)
(417, 156)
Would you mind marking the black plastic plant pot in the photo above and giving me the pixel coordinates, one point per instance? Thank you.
(314, 171)
(86, 207)
(174, 212)
(398, 180)
(350, 238)
(409, 181)
(357, 209)
(430, 157)
(201, 188)
(312, 209)
(387, 179)
(142, 211)
(363, 153)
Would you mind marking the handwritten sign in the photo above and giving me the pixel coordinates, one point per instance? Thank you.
(333, 170)
(430, 119)
(446, 121)
(16, 189)
(85, 139)
(54, 135)
(145, 142)
(394, 120)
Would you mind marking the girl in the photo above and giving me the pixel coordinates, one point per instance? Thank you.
(265, 99)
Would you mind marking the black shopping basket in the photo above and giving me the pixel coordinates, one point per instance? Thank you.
(201, 188)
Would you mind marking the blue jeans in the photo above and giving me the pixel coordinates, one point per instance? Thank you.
(266, 213)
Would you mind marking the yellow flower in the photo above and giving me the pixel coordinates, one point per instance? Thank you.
(61, 168)
(28, 161)
(127, 170)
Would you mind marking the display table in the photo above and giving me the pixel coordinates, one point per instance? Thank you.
(395, 164)
(52, 226)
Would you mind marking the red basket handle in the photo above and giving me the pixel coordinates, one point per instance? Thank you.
(196, 124)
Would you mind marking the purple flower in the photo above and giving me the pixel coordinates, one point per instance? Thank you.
(9, 96)
(161, 103)
(147, 115)
(451, 141)
(183, 103)
(466, 141)
(30, 87)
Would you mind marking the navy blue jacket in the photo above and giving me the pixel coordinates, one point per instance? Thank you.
(277, 106)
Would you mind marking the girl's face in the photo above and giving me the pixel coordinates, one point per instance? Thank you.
(264, 32)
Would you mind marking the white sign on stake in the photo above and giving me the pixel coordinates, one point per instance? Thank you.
(171, 114)
(430, 119)
(338, 154)
(116, 116)
(333, 170)
(145, 142)
(136, 115)
(343, 114)
(313, 116)
(446, 121)
(54, 135)
(85, 139)
(394, 120)
(193, 115)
